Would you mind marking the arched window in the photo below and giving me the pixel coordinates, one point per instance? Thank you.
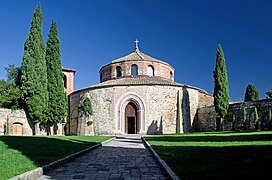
(171, 75)
(118, 71)
(150, 70)
(134, 70)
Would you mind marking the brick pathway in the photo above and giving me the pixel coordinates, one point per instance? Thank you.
(123, 158)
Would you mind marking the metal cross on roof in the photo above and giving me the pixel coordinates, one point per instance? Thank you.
(136, 43)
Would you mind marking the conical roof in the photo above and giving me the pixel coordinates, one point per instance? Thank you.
(137, 55)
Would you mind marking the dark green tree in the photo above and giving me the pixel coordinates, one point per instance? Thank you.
(13, 73)
(244, 118)
(221, 87)
(269, 115)
(251, 94)
(256, 116)
(256, 119)
(57, 100)
(269, 93)
(34, 71)
(244, 115)
(85, 107)
(10, 93)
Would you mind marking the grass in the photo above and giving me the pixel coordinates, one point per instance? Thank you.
(19, 154)
(222, 155)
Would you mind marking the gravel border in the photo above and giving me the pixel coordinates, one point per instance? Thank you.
(38, 172)
(161, 162)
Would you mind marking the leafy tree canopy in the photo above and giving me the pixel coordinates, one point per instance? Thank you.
(10, 93)
(251, 94)
(85, 107)
(13, 73)
(269, 93)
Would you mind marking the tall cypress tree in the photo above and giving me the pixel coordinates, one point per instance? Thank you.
(251, 94)
(34, 74)
(57, 103)
(221, 87)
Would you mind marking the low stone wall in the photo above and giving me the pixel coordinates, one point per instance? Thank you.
(207, 120)
(14, 122)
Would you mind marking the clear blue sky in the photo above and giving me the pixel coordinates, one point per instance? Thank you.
(183, 33)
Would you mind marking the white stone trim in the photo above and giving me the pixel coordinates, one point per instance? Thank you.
(120, 112)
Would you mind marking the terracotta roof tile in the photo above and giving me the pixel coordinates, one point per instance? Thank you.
(138, 81)
(136, 56)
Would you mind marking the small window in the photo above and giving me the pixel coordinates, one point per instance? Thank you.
(134, 70)
(150, 70)
(118, 71)
(171, 75)
(64, 81)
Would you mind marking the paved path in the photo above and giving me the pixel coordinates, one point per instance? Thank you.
(122, 158)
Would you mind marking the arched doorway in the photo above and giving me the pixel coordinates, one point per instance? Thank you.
(17, 129)
(131, 119)
(130, 114)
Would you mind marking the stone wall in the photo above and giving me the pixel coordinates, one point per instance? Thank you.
(207, 120)
(205, 100)
(161, 109)
(17, 123)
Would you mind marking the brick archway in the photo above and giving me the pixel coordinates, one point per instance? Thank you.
(121, 119)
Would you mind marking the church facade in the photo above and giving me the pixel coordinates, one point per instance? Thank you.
(137, 94)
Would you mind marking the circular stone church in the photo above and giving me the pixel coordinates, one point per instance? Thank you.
(137, 94)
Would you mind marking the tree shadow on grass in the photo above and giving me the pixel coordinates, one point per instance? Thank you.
(232, 162)
(211, 138)
(44, 150)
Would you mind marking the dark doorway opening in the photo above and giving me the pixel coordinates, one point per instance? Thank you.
(131, 119)
(131, 125)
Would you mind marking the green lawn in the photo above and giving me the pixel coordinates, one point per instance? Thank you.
(19, 154)
(222, 155)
